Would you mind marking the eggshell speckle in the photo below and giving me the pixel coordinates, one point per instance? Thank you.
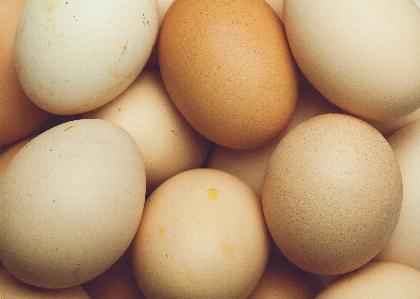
(332, 194)
(228, 69)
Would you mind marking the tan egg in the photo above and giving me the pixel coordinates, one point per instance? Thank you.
(168, 143)
(19, 117)
(336, 45)
(8, 154)
(202, 235)
(332, 194)
(250, 164)
(71, 201)
(13, 288)
(385, 280)
(404, 244)
(116, 282)
(228, 69)
(283, 280)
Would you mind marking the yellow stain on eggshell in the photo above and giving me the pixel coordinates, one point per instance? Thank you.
(162, 231)
(213, 193)
(227, 249)
(52, 4)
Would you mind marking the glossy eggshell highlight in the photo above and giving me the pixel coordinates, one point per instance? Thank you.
(168, 143)
(336, 45)
(228, 69)
(385, 280)
(19, 117)
(332, 194)
(13, 288)
(404, 244)
(74, 56)
(202, 235)
(71, 201)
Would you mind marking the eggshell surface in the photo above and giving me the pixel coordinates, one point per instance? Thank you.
(70, 203)
(385, 280)
(361, 55)
(19, 117)
(332, 194)
(202, 235)
(404, 243)
(75, 56)
(228, 69)
(168, 143)
(13, 288)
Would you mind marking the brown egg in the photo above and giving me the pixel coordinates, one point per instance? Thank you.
(168, 143)
(202, 235)
(228, 69)
(13, 288)
(332, 194)
(283, 280)
(19, 117)
(385, 280)
(404, 244)
(250, 164)
(116, 282)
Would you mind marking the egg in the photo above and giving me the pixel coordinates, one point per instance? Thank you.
(71, 201)
(11, 151)
(13, 288)
(74, 56)
(385, 280)
(282, 279)
(361, 55)
(332, 194)
(228, 69)
(19, 117)
(116, 282)
(250, 164)
(168, 143)
(403, 246)
(202, 235)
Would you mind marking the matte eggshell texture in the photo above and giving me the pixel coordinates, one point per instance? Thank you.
(13, 288)
(404, 244)
(332, 194)
(19, 117)
(361, 55)
(70, 203)
(202, 235)
(385, 280)
(75, 56)
(228, 69)
(168, 143)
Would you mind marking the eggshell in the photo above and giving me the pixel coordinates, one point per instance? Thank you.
(282, 279)
(116, 282)
(70, 203)
(19, 117)
(168, 143)
(228, 69)
(277, 5)
(11, 151)
(250, 165)
(385, 280)
(332, 194)
(404, 244)
(75, 56)
(13, 288)
(361, 55)
(202, 235)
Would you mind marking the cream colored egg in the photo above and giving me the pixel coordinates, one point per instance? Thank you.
(70, 203)
(202, 235)
(332, 194)
(75, 56)
(13, 288)
(361, 55)
(167, 141)
(404, 244)
(250, 165)
(385, 280)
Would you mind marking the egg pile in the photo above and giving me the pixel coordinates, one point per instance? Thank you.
(236, 149)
